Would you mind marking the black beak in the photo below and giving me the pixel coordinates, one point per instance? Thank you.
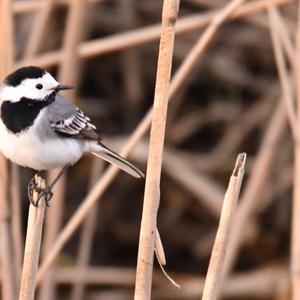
(62, 87)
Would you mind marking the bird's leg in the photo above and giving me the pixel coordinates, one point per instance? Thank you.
(32, 186)
(47, 191)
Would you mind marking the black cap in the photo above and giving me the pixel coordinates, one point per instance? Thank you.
(15, 78)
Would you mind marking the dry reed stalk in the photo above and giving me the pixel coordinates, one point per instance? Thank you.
(282, 32)
(257, 284)
(38, 28)
(209, 193)
(53, 222)
(257, 20)
(7, 59)
(264, 279)
(16, 209)
(137, 37)
(8, 288)
(109, 175)
(283, 73)
(195, 53)
(131, 66)
(184, 127)
(283, 290)
(68, 73)
(86, 237)
(157, 134)
(293, 116)
(259, 174)
(295, 238)
(28, 6)
(213, 281)
(76, 220)
(33, 243)
(234, 136)
(6, 46)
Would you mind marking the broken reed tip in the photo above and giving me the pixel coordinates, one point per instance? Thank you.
(240, 164)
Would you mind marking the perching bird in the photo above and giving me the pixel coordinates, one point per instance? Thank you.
(41, 130)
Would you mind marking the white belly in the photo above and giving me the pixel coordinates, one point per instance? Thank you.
(28, 149)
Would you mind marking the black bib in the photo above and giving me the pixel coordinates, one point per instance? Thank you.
(18, 116)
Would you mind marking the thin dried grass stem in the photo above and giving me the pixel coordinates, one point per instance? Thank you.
(38, 28)
(285, 82)
(27, 6)
(157, 134)
(6, 38)
(295, 238)
(260, 283)
(293, 115)
(8, 287)
(202, 43)
(68, 73)
(259, 174)
(283, 32)
(76, 220)
(32, 245)
(86, 237)
(214, 277)
(16, 209)
(182, 75)
(53, 222)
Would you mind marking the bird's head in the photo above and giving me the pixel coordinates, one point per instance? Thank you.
(29, 82)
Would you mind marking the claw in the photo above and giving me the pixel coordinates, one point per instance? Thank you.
(32, 186)
(46, 192)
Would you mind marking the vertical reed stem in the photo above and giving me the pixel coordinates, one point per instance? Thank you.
(86, 237)
(152, 192)
(33, 244)
(214, 278)
(68, 73)
(8, 288)
(16, 211)
(295, 246)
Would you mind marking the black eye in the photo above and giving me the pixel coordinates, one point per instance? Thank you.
(39, 86)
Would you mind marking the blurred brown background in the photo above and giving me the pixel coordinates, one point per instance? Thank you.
(228, 103)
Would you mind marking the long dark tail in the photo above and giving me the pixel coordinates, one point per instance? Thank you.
(115, 159)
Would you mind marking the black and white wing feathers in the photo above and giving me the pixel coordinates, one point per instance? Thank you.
(77, 126)
(69, 121)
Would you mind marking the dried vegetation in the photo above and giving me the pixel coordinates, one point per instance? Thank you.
(234, 88)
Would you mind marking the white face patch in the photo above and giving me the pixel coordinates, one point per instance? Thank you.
(28, 89)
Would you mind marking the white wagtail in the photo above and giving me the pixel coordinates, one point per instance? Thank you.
(41, 130)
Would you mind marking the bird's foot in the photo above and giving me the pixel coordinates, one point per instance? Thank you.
(42, 192)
